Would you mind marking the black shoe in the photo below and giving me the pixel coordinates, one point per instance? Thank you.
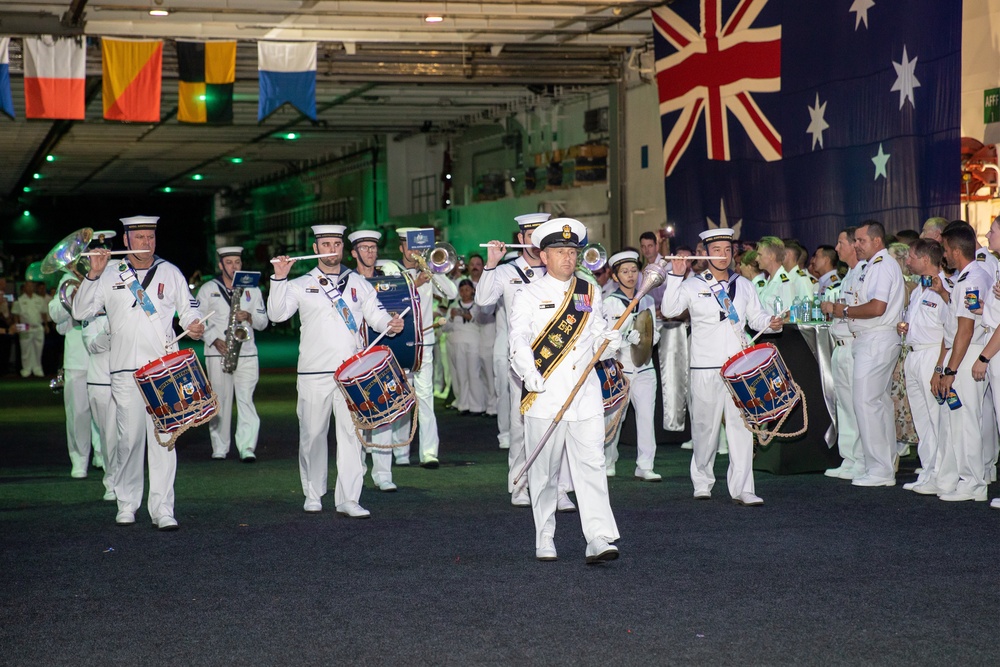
(249, 458)
(430, 465)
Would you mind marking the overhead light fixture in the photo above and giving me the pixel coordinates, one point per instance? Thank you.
(433, 18)
(27, 214)
(36, 176)
(196, 177)
(159, 12)
(236, 160)
(50, 158)
(168, 189)
(291, 136)
(26, 188)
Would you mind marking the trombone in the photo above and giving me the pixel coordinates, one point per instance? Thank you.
(441, 258)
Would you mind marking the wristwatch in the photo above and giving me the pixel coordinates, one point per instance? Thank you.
(845, 315)
(948, 371)
(939, 370)
(983, 359)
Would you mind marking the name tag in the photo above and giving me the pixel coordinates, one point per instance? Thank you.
(704, 294)
(516, 281)
(216, 294)
(546, 305)
(929, 304)
(118, 286)
(312, 290)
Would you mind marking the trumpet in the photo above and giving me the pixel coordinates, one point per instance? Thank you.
(592, 258)
(439, 259)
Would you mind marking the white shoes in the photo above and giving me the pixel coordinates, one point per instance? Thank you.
(565, 505)
(837, 472)
(599, 551)
(125, 518)
(687, 445)
(959, 496)
(353, 510)
(388, 487)
(748, 499)
(313, 506)
(610, 472)
(927, 488)
(703, 494)
(110, 495)
(546, 552)
(402, 460)
(647, 475)
(865, 480)
(78, 474)
(995, 503)
(520, 498)
(166, 523)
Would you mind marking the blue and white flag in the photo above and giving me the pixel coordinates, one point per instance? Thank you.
(800, 119)
(6, 99)
(287, 73)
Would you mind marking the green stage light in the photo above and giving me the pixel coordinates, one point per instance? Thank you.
(236, 160)
(168, 189)
(26, 188)
(27, 214)
(50, 158)
(291, 136)
(197, 177)
(37, 176)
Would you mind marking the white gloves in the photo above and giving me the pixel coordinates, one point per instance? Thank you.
(614, 338)
(633, 337)
(534, 382)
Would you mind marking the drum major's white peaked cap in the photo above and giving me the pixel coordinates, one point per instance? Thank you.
(531, 220)
(140, 222)
(102, 235)
(364, 235)
(229, 251)
(622, 257)
(559, 232)
(328, 230)
(719, 234)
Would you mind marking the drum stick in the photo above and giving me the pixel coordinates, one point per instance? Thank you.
(115, 252)
(295, 259)
(187, 331)
(382, 335)
(760, 333)
(509, 245)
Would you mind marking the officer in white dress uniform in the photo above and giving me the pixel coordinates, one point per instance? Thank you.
(984, 368)
(76, 360)
(486, 319)
(770, 252)
(923, 332)
(97, 339)
(824, 264)
(30, 312)
(140, 295)
(333, 302)
(961, 473)
(498, 285)
(556, 324)
(642, 381)
(216, 297)
(717, 335)
(881, 295)
(848, 437)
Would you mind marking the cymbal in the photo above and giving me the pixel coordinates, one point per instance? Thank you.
(67, 251)
(642, 351)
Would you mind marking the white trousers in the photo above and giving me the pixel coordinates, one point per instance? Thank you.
(436, 356)
(102, 407)
(875, 355)
(582, 445)
(319, 395)
(927, 414)
(241, 384)
(501, 383)
(137, 441)
(466, 376)
(642, 397)
(961, 465)
(488, 381)
(422, 383)
(991, 443)
(711, 401)
(32, 342)
(848, 439)
(79, 437)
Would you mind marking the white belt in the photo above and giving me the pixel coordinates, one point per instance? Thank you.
(923, 346)
(877, 329)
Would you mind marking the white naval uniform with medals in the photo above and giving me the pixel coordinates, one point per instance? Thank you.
(76, 360)
(97, 339)
(579, 437)
(961, 460)
(214, 296)
(136, 340)
(642, 383)
(326, 341)
(842, 361)
(876, 349)
(714, 340)
(926, 317)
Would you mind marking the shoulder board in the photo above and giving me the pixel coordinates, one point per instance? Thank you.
(878, 259)
(784, 278)
(950, 282)
(760, 282)
(980, 258)
(813, 280)
(963, 277)
(835, 283)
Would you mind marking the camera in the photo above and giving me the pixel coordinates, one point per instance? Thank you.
(667, 232)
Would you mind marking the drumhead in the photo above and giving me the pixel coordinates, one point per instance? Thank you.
(364, 363)
(171, 360)
(749, 360)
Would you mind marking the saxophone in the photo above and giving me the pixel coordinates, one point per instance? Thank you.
(236, 334)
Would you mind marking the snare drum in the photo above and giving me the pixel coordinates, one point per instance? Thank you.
(176, 391)
(375, 387)
(614, 385)
(395, 293)
(760, 384)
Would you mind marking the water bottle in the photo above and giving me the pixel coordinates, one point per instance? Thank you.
(817, 310)
(779, 307)
(953, 402)
(795, 312)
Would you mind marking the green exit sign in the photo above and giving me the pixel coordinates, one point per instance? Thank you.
(991, 105)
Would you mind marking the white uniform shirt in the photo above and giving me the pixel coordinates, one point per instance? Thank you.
(848, 291)
(137, 339)
(972, 278)
(780, 285)
(714, 339)
(97, 339)
(212, 297)
(614, 306)
(459, 329)
(881, 279)
(442, 286)
(759, 283)
(805, 284)
(825, 281)
(325, 341)
(30, 309)
(927, 316)
(75, 355)
(498, 285)
(533, 307)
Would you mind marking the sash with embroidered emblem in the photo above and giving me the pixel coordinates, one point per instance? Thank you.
(334, 294)
(560, 334)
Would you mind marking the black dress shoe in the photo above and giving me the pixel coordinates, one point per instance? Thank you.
(430, 465)
(249, 458)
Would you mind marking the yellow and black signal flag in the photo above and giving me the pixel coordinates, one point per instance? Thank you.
(207, 72)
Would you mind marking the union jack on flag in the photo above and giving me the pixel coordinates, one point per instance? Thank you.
(715, 71)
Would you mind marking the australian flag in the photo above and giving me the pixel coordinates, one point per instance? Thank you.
(800, 119)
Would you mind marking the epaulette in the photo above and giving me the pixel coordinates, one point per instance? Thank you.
(760, 282)
(813, 280)
(878, 259)
(835, 283)
(980, 258)
(949, 281)
(784, 278)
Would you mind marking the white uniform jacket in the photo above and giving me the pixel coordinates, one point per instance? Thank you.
(881, 280)
(137, 338)
(498, 286)
(781, 285)
(532, 309)
(97, 339)
(442, 286)
(714, 339)
(325, 341)
(927, 316)
(75, 355)
(213, 296)
(614, 306)
(972, 278)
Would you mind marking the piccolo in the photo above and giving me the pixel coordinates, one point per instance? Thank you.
(295, 259)
(509, 245)
(114, 252)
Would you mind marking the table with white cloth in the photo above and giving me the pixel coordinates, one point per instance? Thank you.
(807, 350)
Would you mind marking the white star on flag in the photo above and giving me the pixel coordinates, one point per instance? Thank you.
(723, 222)
(817, 123)
(860, 9)
(880, 161)
(905, 79)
